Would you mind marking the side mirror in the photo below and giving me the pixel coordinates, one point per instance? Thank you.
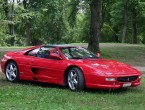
(98, 54)
(55, 56)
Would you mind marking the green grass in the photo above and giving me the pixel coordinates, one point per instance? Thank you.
(1, 54)
(43, 96)
(132, 54)
(40, 96)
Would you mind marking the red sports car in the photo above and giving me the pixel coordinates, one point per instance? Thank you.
(71, 66)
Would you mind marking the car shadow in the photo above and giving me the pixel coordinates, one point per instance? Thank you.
(41, 84)
(4, 83)
(108, 91)
(86, 90)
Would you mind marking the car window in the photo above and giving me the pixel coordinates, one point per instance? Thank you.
(43, 52)
(77, 53)
(33, 52)
(67, 53)
(54, 50)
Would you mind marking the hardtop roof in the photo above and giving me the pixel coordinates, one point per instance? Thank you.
(58, 45)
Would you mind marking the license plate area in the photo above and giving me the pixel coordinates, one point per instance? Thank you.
(127, 85)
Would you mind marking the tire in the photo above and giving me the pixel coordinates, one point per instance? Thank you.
(75, 79)
(12, 72)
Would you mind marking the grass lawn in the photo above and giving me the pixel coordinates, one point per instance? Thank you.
(128, 53)
(1, 54)
(43, 96)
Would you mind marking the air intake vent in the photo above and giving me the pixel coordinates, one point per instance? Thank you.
(127, 79)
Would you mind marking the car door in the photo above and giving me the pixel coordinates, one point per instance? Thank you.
(47, 69)
(25, 64)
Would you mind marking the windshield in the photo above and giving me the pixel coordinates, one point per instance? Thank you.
(77, 53)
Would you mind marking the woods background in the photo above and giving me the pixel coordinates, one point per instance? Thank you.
(34, 22)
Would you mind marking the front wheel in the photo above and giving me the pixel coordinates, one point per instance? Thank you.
(75, 79)
(11, 72)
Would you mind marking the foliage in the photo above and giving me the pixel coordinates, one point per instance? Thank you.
(107, 33)
(117, 18)
(66, 21)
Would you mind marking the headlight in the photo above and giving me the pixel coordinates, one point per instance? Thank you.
(110, 79)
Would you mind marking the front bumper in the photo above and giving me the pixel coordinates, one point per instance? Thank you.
(100, 82)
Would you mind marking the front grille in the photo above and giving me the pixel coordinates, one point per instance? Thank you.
(127, 79)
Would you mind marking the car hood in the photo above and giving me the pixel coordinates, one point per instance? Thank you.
(111, 67)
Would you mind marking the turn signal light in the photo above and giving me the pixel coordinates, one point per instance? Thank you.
(110, 79)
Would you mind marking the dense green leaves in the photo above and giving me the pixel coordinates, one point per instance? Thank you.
(135, 11)
(65, 21)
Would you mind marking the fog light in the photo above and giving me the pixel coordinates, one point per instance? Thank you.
(110, 79)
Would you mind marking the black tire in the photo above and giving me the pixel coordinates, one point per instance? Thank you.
(12, 72)
(75, 79)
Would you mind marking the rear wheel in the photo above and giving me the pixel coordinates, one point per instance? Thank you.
(75, 79)
(12, 72)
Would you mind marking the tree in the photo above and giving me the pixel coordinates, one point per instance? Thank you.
(125, 3)
(95, 13)
(9, 12)
(95, 7)
(133, 8)
(134, 25)
(26, 23)
(66, 21)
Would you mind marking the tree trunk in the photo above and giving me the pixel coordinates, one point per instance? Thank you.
(12, 23)
(134, 26)
(124, 20)
(95, 7)
(102, 16)
(116, 37)
(12, 18)
(27, 32)
(27, 25)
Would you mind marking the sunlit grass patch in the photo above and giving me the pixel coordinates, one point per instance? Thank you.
(134, 55)
(30, 95)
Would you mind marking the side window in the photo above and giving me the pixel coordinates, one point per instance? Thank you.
(33, 52)
(43, 52)
(54, 50)
(66, 52)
